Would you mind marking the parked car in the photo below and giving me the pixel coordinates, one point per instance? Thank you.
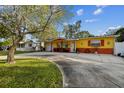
(1, 49)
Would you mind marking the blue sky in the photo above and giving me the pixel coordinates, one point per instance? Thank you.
(98, 19)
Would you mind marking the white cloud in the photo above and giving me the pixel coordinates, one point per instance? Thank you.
(101, 6)
(65, 23)
(80, 12)
(73, 22)
(101, 32)
(1, 6)
(90, 20)
(112, 29)
(98, 11)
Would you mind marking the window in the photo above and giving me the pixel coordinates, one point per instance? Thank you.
(22, 45)
(95, 43)
(65, 45)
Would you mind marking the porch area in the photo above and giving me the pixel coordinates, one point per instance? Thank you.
(62, 45)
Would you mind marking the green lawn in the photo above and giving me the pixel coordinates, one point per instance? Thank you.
(3, 53)
(30, 73)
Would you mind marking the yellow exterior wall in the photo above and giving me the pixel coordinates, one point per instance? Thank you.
(54, 44)
(83, 43)
(69, 44)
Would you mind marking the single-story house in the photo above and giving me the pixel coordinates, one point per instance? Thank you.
(25, 46)
(101, 44)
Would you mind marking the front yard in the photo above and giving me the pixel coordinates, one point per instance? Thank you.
(3, 53)
(29, 73)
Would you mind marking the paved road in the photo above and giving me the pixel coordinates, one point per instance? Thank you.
(87, 70)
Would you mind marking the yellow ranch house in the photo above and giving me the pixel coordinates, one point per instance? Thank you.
(101, 45)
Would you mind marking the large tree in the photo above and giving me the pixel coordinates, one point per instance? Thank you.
(83, 34)
(18, 21)
(71, 30)
(120, 32)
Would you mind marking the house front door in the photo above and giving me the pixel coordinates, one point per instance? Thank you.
(72, 46)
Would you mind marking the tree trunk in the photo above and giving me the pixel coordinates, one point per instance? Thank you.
(10, 56)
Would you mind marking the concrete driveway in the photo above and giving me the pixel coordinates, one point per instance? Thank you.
(87, 70)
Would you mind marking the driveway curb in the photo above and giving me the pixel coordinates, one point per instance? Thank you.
(62, 72)
(60, 69)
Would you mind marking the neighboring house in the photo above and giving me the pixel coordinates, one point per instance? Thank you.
(102, 45)
(39, 46)
(28, 46)
(25, 46)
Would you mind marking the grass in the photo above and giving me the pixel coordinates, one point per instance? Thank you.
(3, 53)
(30, 73)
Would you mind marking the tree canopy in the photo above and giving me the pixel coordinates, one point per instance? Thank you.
(72, 31)
(120, 32)
(5, 43)
(18, 21)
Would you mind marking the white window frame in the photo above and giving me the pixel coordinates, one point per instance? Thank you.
(95, 43)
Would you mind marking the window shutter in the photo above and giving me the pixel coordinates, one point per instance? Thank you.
(102, 42)
(89, 43)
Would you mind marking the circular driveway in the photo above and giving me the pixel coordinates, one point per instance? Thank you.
(87, 70)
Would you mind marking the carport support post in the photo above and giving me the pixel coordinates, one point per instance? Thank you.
(74, 46)
(51, 47)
